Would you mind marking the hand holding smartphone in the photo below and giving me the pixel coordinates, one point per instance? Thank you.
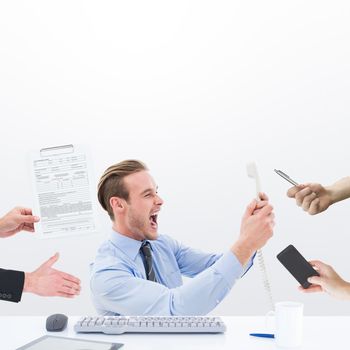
(297, 265)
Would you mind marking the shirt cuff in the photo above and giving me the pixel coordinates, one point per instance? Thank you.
(12, 290)
(249, 264)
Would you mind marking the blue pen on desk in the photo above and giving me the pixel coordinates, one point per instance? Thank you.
(262, 335)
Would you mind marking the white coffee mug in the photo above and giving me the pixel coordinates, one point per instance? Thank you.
(288, 324)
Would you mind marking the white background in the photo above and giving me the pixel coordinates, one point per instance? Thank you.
(196, 89)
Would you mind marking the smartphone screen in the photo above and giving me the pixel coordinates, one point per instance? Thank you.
(297, 265)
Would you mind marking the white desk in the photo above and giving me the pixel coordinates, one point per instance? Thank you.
(319, 333)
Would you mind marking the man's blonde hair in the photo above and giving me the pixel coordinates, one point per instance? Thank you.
(111, 183)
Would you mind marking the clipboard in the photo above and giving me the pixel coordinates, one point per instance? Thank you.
(64, 191)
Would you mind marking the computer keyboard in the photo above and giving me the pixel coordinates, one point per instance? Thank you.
(150, 324)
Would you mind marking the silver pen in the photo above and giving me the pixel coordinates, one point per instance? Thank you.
(286, 177)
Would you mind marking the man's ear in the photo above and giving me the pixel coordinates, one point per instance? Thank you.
(117, 204)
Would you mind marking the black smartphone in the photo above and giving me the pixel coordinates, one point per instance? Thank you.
(297, 265)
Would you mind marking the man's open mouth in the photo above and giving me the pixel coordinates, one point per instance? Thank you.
(153, 220)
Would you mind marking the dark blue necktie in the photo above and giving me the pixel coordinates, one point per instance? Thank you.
(147, 261)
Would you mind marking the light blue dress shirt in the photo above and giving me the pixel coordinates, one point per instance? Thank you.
(119, 285)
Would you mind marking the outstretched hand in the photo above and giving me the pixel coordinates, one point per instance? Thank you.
(47, 281)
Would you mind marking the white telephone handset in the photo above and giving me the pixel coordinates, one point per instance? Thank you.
(252, 172)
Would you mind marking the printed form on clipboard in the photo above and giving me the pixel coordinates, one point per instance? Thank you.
(64, 191)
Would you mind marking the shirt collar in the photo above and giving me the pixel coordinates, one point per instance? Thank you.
(127, 245)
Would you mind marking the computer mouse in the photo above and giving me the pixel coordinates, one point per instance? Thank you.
(56, 322)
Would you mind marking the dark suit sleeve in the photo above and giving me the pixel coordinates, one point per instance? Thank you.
(11, 285)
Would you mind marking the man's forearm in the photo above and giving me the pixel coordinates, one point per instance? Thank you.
(340, 190)
(1, 227)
